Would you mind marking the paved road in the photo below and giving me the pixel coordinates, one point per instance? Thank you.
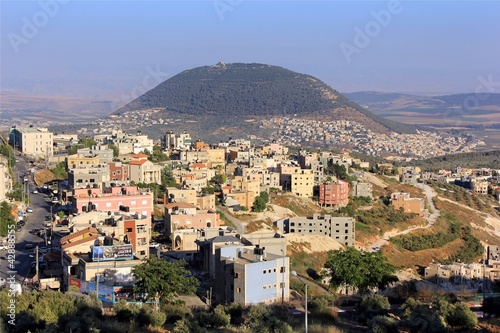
(240, 225)
(24, 257)
(431, 219)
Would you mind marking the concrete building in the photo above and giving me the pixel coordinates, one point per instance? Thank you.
(362, 189)
(409, 205)
(5, 181)
(144, 171)
(176, 141)
(35, 142)
(180, 215)
(334, 194)
(114, 199)
(250, 276)
(83, 176)
(81, 160)
(119, 172)
(341, 229)
(302, 183)
(104, 153)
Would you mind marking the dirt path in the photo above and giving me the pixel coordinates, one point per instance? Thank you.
(431, 219)
(489, 219)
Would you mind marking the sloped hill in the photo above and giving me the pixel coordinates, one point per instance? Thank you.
(238, 90)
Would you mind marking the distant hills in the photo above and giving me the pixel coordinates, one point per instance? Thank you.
(457, 109)
(240, 91)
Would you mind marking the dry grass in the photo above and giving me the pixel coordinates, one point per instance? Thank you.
(43, 176)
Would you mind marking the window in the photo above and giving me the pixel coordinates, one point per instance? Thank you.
(238, 290)
(236, 275)
(144, 202)
(282, 269)
(129, 229)
(108, 204)
(264, 272)
(132, 203)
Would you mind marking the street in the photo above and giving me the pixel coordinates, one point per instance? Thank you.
(24, 257)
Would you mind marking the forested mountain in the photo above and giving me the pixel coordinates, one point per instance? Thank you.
(242, 90)
(484, 159)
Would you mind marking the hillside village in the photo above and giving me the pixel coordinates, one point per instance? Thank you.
(217, 206)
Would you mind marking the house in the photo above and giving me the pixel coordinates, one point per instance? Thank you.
(409, 205)
(144, 171)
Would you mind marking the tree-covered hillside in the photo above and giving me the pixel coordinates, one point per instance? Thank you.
(233, 90)
(485, 159)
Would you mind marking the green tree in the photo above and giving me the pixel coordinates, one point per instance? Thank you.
(116, 150)
(160, 279)
(7, 220)
(461, 316)
(60, 170)
(157, 155)
(361, 270)
(260, 202)
(167, 177)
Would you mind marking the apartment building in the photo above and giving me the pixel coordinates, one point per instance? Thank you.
(173, 194)
(103, 152)
(119, 172)
(334, 194)
(362, 189)
(83, 176)
(79, 160)
(251, 276)
(176, 141)
(286, 171)
(5, 181)
(461, 273)
(341, 229)
(112, 198)
(302, 183)
(243, 198)
(409, 205)
(36, 142)
(181, 215)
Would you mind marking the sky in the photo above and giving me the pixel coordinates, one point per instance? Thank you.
(97, 49)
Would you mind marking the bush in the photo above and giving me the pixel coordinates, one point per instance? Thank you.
(383, 324)
(318, 305)
(175, 311)
(124, 311)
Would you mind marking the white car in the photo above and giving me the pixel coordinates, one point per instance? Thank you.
(29, 210)
(153, 244)
(35, 191)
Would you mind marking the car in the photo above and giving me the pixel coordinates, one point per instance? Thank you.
(28, 246)
(29, 210)
(47, 224)
(19, 228)
(54, 200)
(154, 244)
(21, 223)
(34, 231)
(43, 249)
(35, 191)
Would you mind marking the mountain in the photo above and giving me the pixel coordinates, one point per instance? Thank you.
(469, 108)
(241, 91)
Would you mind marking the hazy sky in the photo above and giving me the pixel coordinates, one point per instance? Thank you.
(104, 48)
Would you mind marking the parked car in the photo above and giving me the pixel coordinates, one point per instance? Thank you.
(19, 228)
(35, 191)
(29, 210)
(34, 231)
(54, 200)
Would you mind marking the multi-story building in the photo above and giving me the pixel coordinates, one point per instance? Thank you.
(81, 176)
(286, 171)
(409, 205)
(119, 172)
(341, 229)
(113, 198)
(181, 215)
(251, 276)
(81, 160)
(303, 183)
(173, 194)
(243, 198)
(103, 152)
(362, 189)
(5, 181)
(176, 141)
(144, 171)
(32, 141)
(334, 194)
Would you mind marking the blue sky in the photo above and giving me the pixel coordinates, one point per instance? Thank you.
(103, 48)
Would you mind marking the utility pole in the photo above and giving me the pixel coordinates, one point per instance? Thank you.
(36, 256)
